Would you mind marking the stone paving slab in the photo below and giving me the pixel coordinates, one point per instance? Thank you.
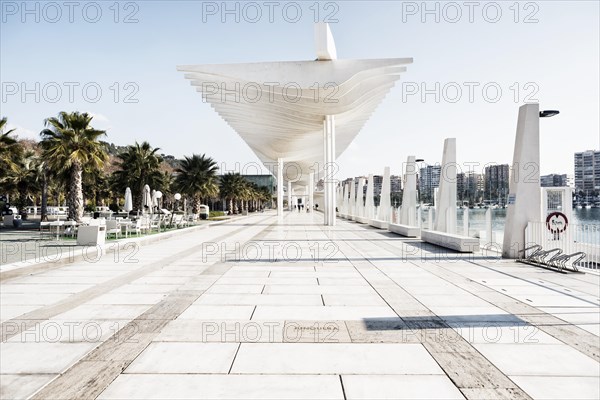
(197, 386)
(40, 358)
(560, 387)
(185, 358)
(411, 387)
(337, 358)
(550, 359)
(22, 386)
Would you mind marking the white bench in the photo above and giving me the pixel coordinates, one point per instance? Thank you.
(361, 220)
(463, 244)
(405, 230)
(379, 224)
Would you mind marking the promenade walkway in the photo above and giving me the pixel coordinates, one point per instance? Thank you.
(268, 309)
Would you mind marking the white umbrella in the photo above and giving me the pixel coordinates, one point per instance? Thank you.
(147, 199)
(128, 201)
(154, 200)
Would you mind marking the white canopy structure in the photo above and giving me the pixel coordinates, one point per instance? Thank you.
(301, 112)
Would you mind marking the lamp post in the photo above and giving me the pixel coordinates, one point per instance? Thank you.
(177, 198)
(420, 160)
(158, 195)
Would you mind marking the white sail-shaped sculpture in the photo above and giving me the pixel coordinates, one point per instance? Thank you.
(385, 203)
(445, 215)
(409, 195)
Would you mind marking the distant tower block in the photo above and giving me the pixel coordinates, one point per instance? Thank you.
(445, 216)
(360, 198)
(524, 199)
(369, 202)
(352, 210)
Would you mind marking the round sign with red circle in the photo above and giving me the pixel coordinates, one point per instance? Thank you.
(557, 222)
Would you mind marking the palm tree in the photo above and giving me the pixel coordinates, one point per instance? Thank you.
(98, 188)
(25, 179)
(10, 151)
(197, 178)
(264, 195)
(43, 176)
(139, 165)
(232, 188)
(71, 144)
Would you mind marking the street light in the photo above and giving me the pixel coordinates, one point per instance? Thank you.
(177, 198)
(420, 188)
(158, 195)
(548, 113)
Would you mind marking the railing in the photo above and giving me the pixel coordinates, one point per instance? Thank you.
(576, 238)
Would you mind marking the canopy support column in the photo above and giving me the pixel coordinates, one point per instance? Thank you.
(329, 169)
(280, 187)
(289, 195)
(311, 192)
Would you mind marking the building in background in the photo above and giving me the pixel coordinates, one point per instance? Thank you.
(461, 189)
(395, 183)
(267, 180)
(555, 180)
(587, 175)
(347, 181)
(496, 184)
(429, 180)
(377, 185)
(395, 190)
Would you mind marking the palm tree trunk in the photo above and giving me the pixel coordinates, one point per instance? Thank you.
(141, 196)
(197, 204)
(230, 206)
(44, 216)
(22, 200)
(76, 193)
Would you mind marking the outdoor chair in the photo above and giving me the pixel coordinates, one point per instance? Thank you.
(45, 228)
(144, 224)
(113, 228)
(175, 220)
(70, 228)
(137, 227)
(183, 222)
(97, 222)
(155, 222)
(85, 220)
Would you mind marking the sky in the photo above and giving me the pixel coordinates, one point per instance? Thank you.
(474, 64)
